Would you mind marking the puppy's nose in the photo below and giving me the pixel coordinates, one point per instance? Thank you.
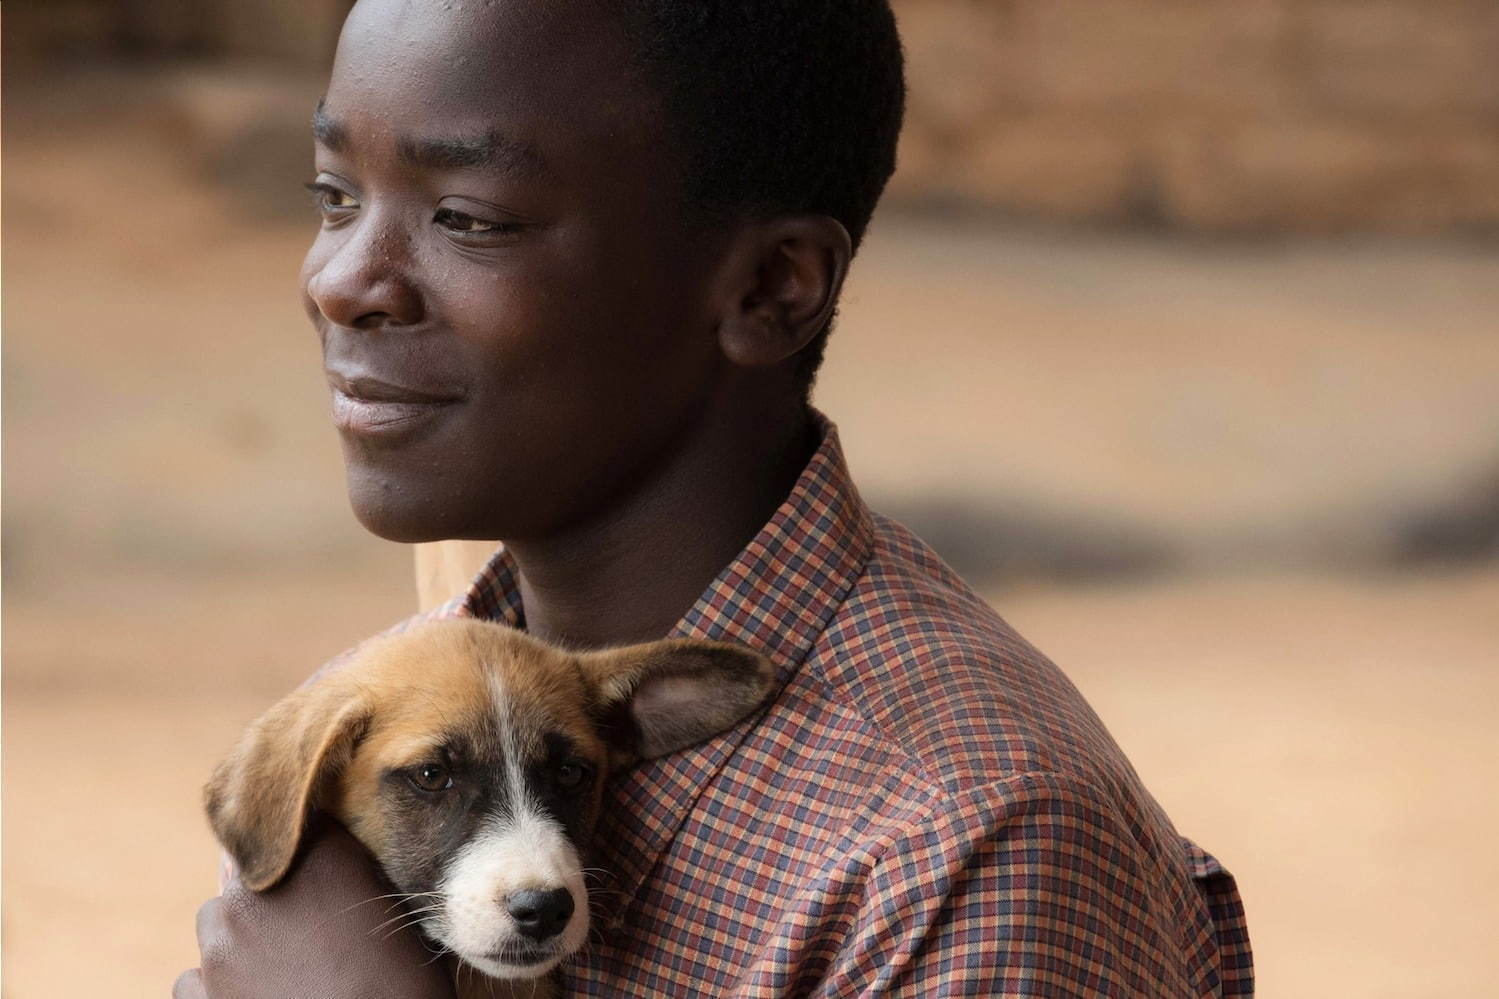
(540, 914)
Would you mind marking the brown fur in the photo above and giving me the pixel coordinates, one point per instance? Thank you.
(333, 743)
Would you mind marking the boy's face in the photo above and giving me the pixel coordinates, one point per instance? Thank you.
(513, 312)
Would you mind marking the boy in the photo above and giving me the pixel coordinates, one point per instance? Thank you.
(577, 263)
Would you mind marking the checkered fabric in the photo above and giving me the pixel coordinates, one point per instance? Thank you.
(926, 808)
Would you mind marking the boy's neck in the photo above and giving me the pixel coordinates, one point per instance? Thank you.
(630, 573)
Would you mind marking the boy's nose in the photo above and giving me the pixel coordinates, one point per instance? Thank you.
(540, 914)
(361, 284)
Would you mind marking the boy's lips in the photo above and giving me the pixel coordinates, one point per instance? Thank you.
(367, 406)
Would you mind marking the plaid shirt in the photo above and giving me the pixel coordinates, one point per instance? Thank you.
(926, 808)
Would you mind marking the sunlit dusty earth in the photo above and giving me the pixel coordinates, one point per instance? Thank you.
(178, 551)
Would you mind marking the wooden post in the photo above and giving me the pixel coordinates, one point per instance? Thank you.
(445, 568)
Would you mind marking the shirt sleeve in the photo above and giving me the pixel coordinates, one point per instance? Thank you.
(1032, 886)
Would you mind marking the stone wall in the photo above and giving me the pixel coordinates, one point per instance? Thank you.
(1241, 115)
(1212, 115)
(291, 32)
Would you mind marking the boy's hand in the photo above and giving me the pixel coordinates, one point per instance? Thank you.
(318, 933)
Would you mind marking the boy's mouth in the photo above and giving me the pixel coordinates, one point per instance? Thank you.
(366, 406)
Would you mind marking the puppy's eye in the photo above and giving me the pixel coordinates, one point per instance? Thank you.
(432, 777)
(573, 774)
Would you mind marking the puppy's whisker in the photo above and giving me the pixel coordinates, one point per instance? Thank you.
(418, 921)
(594, 873)
(596, 896)
(416, 911)
(425, 910)
(435, 947)
(356, 905)
(400, 902)
(415, 918)
(400, 897)
(395, 930)
(406, 894)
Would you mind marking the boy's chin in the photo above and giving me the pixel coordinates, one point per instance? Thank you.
(404, 515)
(404, 527)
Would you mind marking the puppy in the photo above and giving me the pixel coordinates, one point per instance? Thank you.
(470, 759)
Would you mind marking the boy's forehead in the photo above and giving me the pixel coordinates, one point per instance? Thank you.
(506, 73)
(463, 52)
(457, 25)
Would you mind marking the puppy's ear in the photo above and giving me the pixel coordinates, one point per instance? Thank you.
(259, 797)
(656, 698)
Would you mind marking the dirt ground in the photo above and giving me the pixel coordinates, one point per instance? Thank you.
(178, 551)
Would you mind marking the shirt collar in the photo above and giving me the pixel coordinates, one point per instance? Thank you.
(776, 597)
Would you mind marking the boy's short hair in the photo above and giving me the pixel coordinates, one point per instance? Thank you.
(780, 106)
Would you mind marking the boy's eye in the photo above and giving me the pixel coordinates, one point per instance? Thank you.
(462, 222)
(459, 222)
(331, 201)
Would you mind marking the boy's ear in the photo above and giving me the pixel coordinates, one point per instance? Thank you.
(259, 798)
(781, 284)
(656, 698)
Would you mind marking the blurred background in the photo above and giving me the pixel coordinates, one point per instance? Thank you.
(1178, 334)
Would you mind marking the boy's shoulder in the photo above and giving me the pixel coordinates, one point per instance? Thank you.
(946, 683)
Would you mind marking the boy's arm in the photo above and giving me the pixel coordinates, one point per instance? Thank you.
(1030, 887)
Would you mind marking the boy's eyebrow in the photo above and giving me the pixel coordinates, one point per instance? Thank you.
(326, 131)
(492, 149)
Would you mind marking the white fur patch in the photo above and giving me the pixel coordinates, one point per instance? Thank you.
(507, 856)
(524, 850)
